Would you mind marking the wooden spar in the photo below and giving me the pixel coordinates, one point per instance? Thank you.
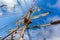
(24, 28)
(26, 23)
(51, 23)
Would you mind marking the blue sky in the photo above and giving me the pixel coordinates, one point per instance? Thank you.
(12, 12)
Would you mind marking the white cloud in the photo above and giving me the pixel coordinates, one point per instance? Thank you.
(13, 7)
(56, 38)
(9, 3)
(1, 14)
